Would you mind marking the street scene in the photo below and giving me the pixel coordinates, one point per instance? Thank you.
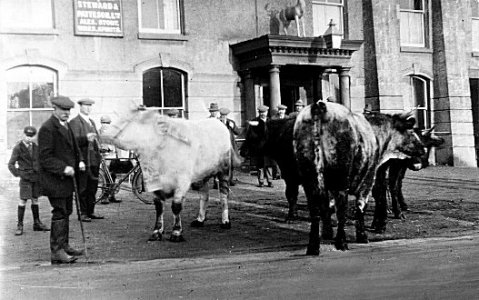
(432, 254)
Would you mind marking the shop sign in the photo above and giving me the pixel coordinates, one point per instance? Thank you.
(98, 18)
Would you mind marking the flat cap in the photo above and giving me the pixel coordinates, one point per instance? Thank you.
(263, 108)
(281, 106)
(62, 102)
(86, 101)
(224, 111)
(299, 103)
(105, 119)
(214, 107)
(30, 131)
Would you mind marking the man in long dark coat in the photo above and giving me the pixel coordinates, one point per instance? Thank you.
(59, 159)
(86, 135)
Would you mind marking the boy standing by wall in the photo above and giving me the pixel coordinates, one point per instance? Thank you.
(25, 156)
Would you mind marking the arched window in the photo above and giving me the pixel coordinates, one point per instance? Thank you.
(29, 90)
(165, 88)
(420, 92)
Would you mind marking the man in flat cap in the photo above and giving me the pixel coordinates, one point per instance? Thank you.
(234, 130)
(25, 156)
(86, 135)
(298, 106)
(59, 159)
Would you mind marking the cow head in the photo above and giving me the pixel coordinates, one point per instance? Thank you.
(430, 140)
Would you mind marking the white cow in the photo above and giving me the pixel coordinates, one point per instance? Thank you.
(174, 153)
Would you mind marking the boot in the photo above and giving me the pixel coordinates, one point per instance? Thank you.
(68, 249)
(37, 224)
(21, 213)
(57, 242)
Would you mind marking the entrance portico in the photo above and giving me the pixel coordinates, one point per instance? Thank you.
(279, 69)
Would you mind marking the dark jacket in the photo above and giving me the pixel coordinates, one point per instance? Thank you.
(57, 149)
(27, 163)
(90, 151)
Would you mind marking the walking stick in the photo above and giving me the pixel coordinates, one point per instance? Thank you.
(77, 204)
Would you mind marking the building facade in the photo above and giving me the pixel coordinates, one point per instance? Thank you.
(395, 55)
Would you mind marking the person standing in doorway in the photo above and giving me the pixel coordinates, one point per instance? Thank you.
(298, 106)
(86, 135)
(25, 156)
(59, 160)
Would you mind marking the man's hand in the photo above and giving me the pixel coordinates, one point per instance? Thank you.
(91, 136)
(69, 171)
(82, 166)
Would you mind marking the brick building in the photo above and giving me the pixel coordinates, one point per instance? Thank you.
(184, 54)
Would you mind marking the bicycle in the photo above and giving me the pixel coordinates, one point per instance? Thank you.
(107, 187)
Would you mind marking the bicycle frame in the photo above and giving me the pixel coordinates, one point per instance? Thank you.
(113, 186)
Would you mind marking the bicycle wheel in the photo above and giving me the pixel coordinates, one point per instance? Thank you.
(102, 189)
(138, 188)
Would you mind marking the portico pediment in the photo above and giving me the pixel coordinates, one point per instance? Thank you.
(290, 50)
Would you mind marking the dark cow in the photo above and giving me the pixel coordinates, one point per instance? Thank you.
(339, 152)
(398, 167)
(276, 141)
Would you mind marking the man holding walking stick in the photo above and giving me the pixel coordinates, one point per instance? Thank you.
(59, 159)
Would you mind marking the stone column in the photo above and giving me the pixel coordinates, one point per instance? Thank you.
(274, 86)
(344, 83)
(249, 96)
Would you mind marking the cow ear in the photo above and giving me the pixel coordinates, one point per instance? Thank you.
(318, 110)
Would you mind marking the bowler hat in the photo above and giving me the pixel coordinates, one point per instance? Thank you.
(263, 108)
(213, 107)
(281, 106)
(62, 102)
(299, 103)
(224, 111)
(30, 131)
(86, 101)
(105, 119)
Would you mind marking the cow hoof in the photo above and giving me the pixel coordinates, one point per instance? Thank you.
(342, 246)
(176, 238)
(155, 236)
(197, 223)
(226, 225)
(313, 251)
(362, 238)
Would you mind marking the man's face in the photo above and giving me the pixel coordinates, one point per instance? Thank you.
(61, 114)
(282, 113)
(299, 108)
(85, 109)
(263, 114)
(222, 117)
(28, 139)
(215, 114)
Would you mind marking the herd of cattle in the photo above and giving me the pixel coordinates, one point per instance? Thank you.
(329, 150)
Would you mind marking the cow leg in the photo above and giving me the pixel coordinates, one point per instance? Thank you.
(379, 194)
(204, 200)
(393, 181)
(292, 197)
(341, 208)
(314, 202)
(158, 230)
(224, 194)
(402, 202)
(176, 207)
(361, 236)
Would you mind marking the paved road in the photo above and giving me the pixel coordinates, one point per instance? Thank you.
(406, 269)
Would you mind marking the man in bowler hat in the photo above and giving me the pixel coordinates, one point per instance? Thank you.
(59, 160)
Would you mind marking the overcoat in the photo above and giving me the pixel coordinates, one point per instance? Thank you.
(90, 151)
(57, 149)
(27, 163)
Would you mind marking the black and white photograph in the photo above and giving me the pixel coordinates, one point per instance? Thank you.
(253, 149)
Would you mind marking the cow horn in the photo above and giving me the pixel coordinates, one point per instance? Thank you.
(428, 131)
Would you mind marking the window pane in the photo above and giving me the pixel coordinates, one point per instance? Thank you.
(172, 88)
(149, 14)
(18, 94)
(322, 15)
(475, 8)
(16, 122)
(41, 94)
(171, 14)
(40, 116)
(412, 29)
(152, 88)
(26, 14)
(475, 34)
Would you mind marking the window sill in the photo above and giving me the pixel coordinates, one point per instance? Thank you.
(475, 53)
(29, 31)
(162, 36)
(415, 49)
